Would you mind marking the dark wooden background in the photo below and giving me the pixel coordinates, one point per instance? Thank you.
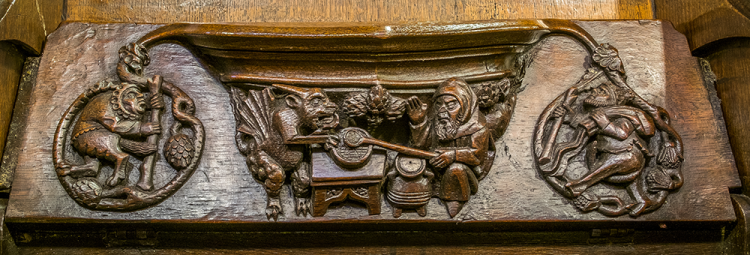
(717, 30)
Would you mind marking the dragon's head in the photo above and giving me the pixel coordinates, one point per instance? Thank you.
(314, 108)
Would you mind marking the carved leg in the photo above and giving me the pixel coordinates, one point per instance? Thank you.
(641, 201)
(397, 212)
(607, 166)
(89, 169)
(301, 188)
(322, 199)
(373, 199)
(272, 175)
(121, 163)
(422, 211)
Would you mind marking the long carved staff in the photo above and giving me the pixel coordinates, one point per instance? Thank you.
(547, 153)
(146, 181)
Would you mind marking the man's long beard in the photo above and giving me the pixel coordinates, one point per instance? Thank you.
(446, 129)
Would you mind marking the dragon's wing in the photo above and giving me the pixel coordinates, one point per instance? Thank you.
(252, 112)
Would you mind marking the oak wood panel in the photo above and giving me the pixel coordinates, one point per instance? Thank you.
(672, 248)
(28, 22)
(731, 65)
(24, 25)
(81, 54)
(705, 21)
(718, 31)
(173, 11)
(11, 63)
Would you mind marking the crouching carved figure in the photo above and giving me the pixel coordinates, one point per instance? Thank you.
(111, 122)
(274, 133)
(625, 140)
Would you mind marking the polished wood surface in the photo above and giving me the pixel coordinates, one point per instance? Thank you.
(169, 11)
(11, 63)
(24, 25)
(173, 11)
(223, 190)
(717, 30)
(28, 22)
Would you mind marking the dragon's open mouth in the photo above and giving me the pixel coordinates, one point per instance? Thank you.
(326, 119)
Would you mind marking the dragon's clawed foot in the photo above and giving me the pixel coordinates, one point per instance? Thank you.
(273, 209)
(302, 206)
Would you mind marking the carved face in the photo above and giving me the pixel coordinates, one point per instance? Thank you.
(134, 102)
(316, 111)
(600, 97)
(448, 109)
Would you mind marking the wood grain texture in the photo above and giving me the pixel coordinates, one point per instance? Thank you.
(717, 30)
(731, 65)
(704, 21)
(28, 22)
(173, 11)
(11, 63)
(613, 249)
(17, 126)
(222, 190)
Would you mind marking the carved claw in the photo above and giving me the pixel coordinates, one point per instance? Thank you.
(273, 209)
(332, 142)
(302, 206)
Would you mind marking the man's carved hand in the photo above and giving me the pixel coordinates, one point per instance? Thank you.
(600, 118)
(150, 128)
(558, 112)
(416, 110)
(157, 102)
(332, 142)
(444, 159)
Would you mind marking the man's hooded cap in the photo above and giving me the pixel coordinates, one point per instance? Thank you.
(470, 118)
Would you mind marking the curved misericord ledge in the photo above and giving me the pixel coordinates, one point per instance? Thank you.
(394, 56)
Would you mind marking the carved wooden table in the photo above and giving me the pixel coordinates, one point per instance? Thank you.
(526, 124)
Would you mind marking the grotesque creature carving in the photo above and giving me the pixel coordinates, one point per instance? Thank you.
(374, 106)
(109, 122)
(274, 135)
(107, 126)
(626, 141)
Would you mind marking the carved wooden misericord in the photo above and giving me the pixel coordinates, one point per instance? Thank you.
(403, 123)
(446, 150)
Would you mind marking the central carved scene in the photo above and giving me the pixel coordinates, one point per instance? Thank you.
(360, 144)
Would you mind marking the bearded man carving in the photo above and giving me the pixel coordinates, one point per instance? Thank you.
(457, 132)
